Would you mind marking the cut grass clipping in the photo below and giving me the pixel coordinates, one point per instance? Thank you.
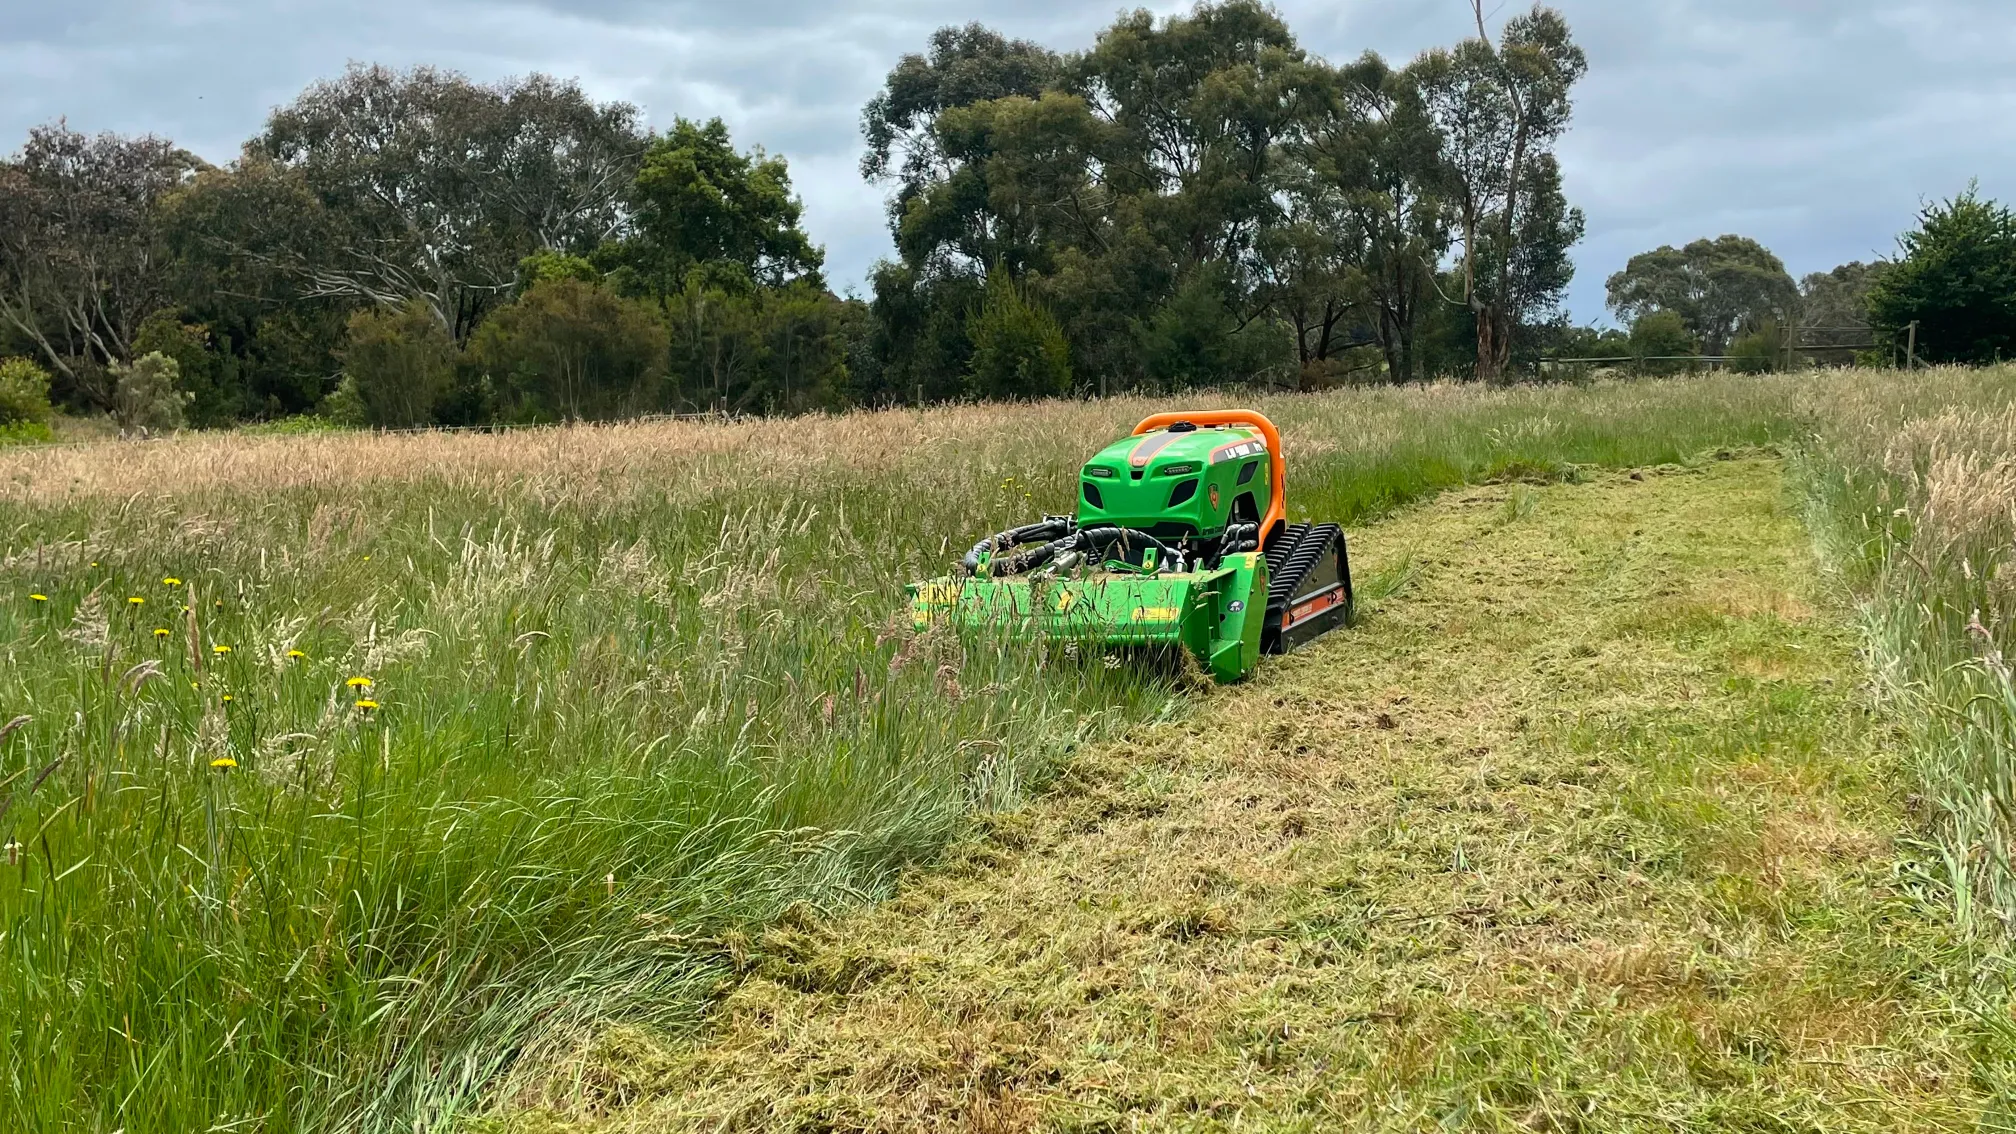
(631, 691)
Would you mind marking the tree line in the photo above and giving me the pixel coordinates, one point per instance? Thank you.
(1948, 296)
(1193, 200)
(1189, 200)
(405, 248)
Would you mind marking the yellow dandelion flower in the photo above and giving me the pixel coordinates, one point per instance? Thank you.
(296, 654)
(227, 698)
(160, 631)
(38, 598)
(136, 600)
(359, 683)
(171, 581)
(220, 650)
(367, 705)
(223, 762)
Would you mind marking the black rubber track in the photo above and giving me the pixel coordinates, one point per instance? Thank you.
(1292, 561)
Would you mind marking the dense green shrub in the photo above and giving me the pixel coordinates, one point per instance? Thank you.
(1759, 352)
(570, 349)
(1018, 348)
(24, 392)
(146, 400)
(1956, 280)
(1660, 342)
(397, 363)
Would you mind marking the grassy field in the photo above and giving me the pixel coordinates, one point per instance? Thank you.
(1584, 827)
(421, 762)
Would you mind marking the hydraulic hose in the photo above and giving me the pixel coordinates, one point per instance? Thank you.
(1062, 534)
(1047, 529)
(1101, 537)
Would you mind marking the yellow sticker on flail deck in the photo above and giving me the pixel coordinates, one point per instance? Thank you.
(1066, 600)
(1156, 613)
(938, 594)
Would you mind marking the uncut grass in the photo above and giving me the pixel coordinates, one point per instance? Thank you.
(637, 686)
(598, 727)
(1919, 507)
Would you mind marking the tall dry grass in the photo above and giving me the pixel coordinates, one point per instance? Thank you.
(1918, 497)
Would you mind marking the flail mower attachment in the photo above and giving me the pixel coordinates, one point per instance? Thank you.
(1178, 540)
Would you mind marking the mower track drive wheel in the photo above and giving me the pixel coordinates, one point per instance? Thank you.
(1309, 589)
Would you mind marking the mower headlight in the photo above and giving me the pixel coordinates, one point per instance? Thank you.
(1184, 469)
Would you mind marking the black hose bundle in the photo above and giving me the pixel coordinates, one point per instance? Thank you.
(1128, 538)
(1238, 538)
(1062, 534)
(1049, 528)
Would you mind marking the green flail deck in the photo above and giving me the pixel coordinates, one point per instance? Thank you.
(1216, 615)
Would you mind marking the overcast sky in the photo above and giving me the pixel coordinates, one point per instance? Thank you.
(1816, 126)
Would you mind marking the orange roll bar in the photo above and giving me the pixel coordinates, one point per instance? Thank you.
(1277, 470)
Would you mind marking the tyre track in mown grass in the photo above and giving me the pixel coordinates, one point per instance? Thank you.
(1588, 826)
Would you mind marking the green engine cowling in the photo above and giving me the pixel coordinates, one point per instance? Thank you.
(1178, 482)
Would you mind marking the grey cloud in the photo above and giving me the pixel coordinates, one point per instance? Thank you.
(1816, 126)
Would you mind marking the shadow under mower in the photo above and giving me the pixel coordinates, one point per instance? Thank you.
(1179, 540)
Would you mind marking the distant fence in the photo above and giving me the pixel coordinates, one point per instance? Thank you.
(1814, 343)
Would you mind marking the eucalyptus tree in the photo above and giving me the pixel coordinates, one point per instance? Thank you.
(81, 250)
(1719, 288)
(1371, 189)
(1500, 108)
(384, 186)
(700, 205)
(1128, 182)
(938, 167)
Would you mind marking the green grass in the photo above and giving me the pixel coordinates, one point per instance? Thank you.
(1919, 511)
(638, 688)
(24, 433)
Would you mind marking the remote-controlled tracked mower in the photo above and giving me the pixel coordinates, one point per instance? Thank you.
(1181, 539)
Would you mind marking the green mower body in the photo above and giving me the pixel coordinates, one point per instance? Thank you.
(1179, 540)
(1209, 613)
